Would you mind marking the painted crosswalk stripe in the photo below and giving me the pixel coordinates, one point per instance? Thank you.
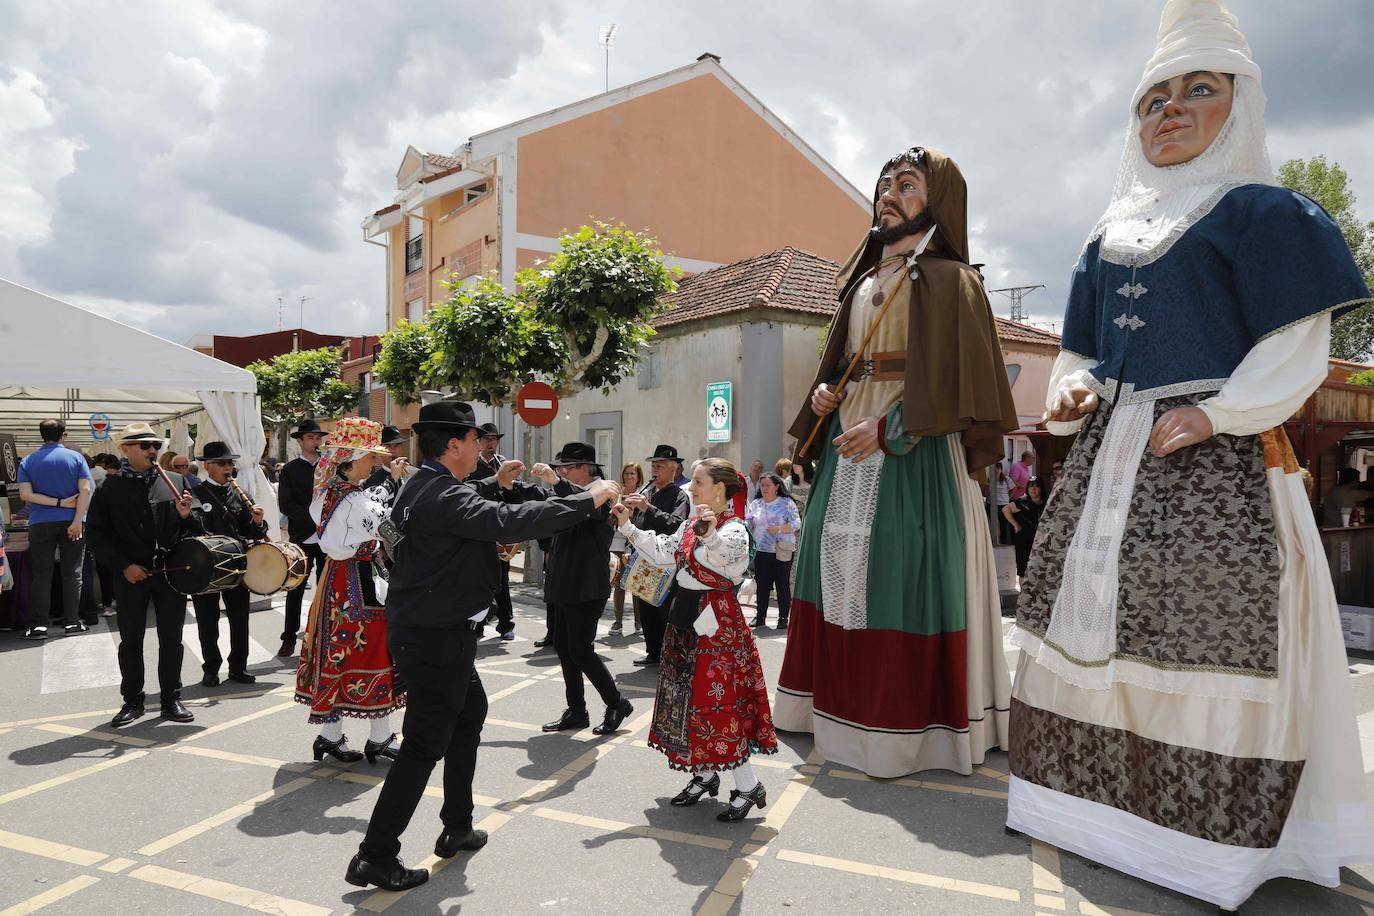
(80, 661)
(191, 638)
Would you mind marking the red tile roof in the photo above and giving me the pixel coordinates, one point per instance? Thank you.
(443, 162)
(789, 279)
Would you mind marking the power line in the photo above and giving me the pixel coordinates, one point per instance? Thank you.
(1017, 294)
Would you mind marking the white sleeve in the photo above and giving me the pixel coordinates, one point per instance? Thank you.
(1069, 369)
(1273, 380)
(726, 551)
(353, 524)
(658, 549)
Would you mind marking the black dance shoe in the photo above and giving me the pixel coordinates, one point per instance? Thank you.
(755, 796)
(759, 623)
(644, 661)
(614, 716)
(374, 749)
(695, 790)
(541, 643)
(336, 750)
(210, 680)
(392, 876)
(127, 713)
(242, 677)
(569, 720)
(782, 623)
(176, 712)
(450, 843)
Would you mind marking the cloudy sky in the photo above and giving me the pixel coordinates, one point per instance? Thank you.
(179, 165)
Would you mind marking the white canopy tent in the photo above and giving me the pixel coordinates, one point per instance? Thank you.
(60, 361)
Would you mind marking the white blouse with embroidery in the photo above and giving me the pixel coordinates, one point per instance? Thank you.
(726, 551)
(352, 525)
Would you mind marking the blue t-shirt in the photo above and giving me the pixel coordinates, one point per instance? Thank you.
(53, 471)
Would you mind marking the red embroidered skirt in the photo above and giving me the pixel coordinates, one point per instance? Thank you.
(345, 667)
(712, 711)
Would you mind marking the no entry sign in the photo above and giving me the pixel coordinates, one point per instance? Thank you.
(536, 403)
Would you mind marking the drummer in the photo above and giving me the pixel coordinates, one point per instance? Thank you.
(217, 508)
(134, 520)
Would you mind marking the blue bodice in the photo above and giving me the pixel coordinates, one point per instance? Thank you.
(1180, 317)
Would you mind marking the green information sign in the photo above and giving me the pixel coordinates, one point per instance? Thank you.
(718, 411)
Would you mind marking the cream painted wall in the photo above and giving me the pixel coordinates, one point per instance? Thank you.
(1033, 381)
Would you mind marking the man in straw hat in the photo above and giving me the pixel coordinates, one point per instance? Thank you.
(294, 492)
(133, 523)
(894, 651)
(1183, 712)
(445, 574)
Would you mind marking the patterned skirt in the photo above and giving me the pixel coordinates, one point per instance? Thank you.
(1182, 710)
(345, 667)
(711, 711)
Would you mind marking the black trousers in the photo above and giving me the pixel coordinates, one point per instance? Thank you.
(574, 638)
(207, 622)
(169, 609)
(445, 708)
(106, 583)
(48, 542)
(1022, 544)
(314, 560)
(505, 613)
(654, 620)
(769, 572)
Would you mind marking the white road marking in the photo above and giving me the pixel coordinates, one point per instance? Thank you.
(81, 661)
(190, 636)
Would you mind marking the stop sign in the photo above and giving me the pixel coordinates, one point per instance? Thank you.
(536, 403)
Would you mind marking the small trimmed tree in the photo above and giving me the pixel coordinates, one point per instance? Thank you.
(293, 386)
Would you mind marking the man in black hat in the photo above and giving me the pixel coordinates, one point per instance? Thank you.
(488, 463)
(577, 583)
(217, 509)
(441, 588)
(661, 506)
(295, 489)
(385, 482)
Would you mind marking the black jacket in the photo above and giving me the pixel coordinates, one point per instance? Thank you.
(218, 510)
(486, 469)
(130, 522)
(447, 569)
(577, 568)
(294, 491)
(667, 510)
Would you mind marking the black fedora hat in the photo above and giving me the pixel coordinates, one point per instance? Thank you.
(574, 453)
(489, 429)
(306, 426)
(392, 436)
(216, 451)
(454, 415)
(664, 453)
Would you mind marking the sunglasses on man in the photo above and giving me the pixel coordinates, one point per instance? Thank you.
(150, 446)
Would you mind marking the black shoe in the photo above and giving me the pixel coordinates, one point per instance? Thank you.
(127, 713)
(242, 677)
(450, 844)
(759, 623)
(782, 623)
(79, 627)
(210, 680)
(541, 643)
(36, 633)
(374, 749)
(335, 749)
(568, 721)
(392, 876)
(177, 712)
(695, 790)
(508, 635)
(755, 796)
(614, 716)
(645, 662)
(288, 648)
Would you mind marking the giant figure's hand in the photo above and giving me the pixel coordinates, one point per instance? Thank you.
(603, 491)
(1073, 404)
(825, 399)
(1180, 428)
(860, 441)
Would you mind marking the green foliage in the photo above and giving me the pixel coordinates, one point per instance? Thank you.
(578, 320)
(306, 383)
(1365, 378)
(1352, 337)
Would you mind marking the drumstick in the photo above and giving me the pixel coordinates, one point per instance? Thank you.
(853, 364)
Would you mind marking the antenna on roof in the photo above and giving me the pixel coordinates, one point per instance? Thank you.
(607, 39)
(1016, 294)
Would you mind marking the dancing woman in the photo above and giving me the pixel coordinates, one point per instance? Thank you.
(711, 711)
(345, 667)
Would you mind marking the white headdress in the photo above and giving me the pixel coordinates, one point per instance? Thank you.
(1151, 205)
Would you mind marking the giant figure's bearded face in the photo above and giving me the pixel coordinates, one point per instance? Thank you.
(900, 202)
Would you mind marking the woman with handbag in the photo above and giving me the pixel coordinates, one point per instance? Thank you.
(711, 711)
(774, 520)
(631, 479)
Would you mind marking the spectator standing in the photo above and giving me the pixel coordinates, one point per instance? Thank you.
(755, 475)
(800, 487)
(1002, 491)
(1020, 474)
(57, 485)
(631, 481)
(1056, 475)
(1024, 516)
(182, 465)
(774, 520)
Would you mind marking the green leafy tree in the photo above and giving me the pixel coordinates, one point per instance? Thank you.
(1365, 378)
(1352, 337)
(293, 386)
(400, 365)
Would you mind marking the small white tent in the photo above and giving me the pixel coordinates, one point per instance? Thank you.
(59, 360)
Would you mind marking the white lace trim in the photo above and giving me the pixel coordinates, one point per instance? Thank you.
(1126, 258)
(1130, 396)
(845, 536)
(1190, 680)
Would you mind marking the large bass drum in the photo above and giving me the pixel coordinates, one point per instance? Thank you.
(274, 566)
(205, 564)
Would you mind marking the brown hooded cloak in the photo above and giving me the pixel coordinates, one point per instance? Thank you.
(954, 376)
